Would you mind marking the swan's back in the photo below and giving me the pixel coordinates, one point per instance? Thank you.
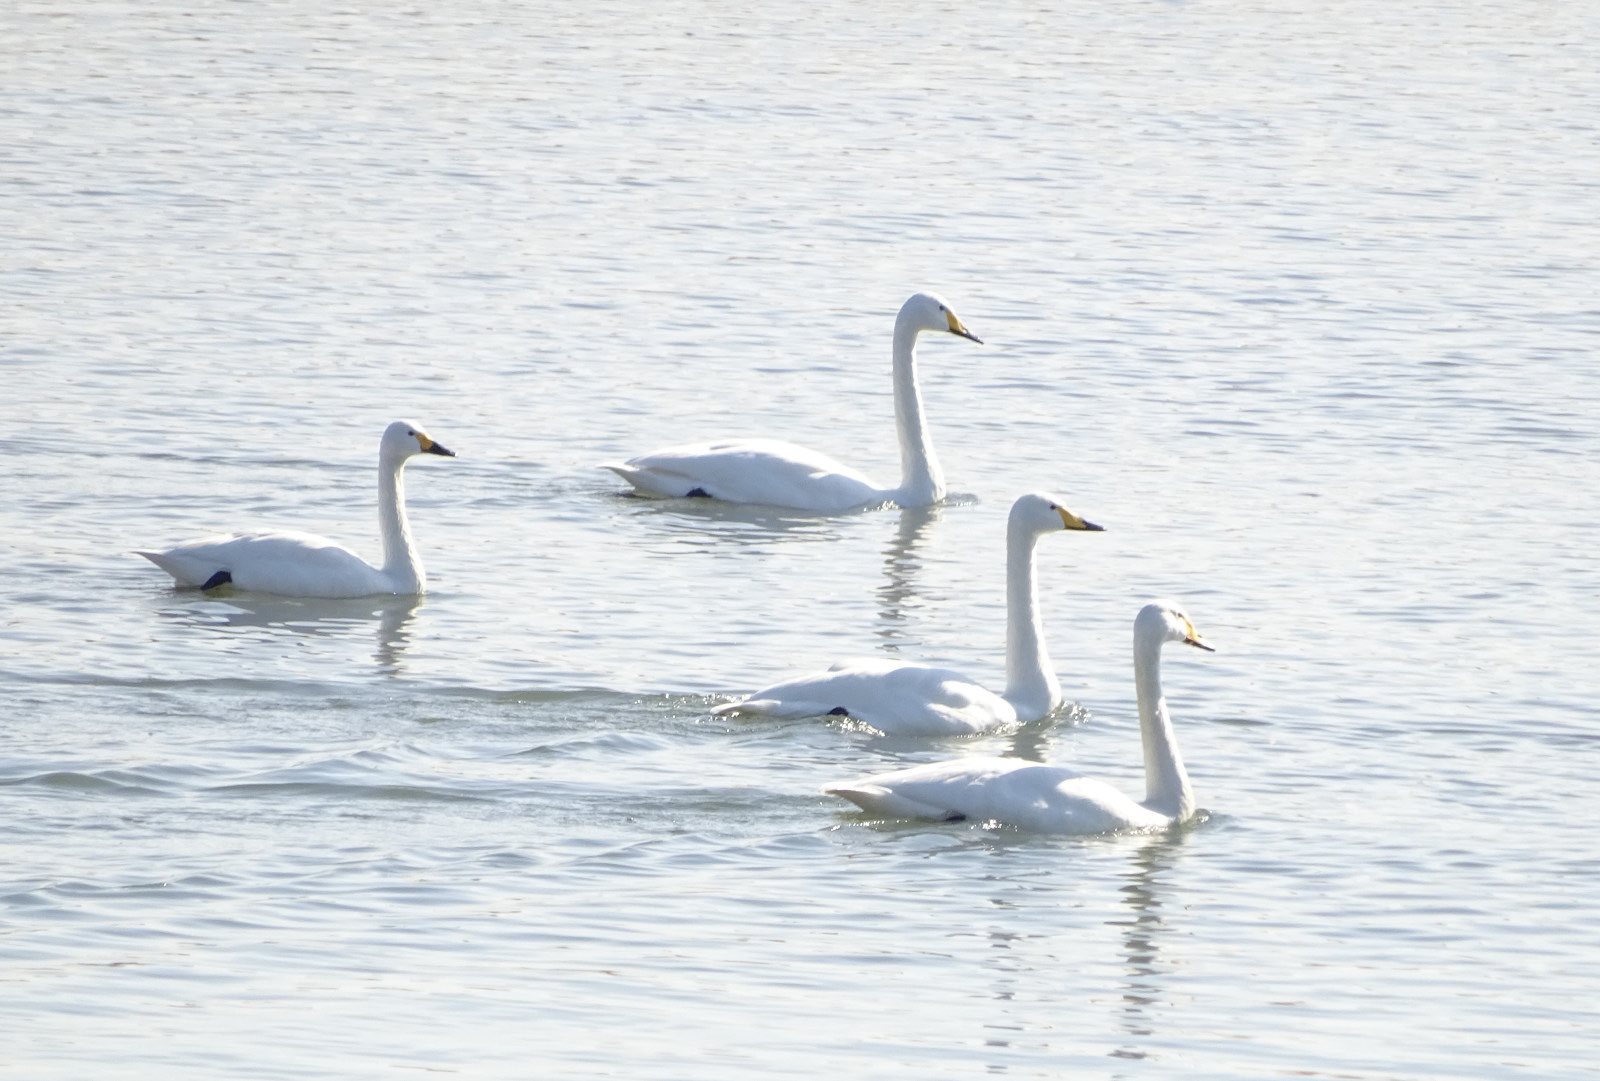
(895, 698)
(289, 563)
(1031, 796)
(767, 471)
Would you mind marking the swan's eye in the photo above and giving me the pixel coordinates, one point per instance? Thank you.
(1054, 507)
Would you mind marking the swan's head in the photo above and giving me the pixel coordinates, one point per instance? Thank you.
(402, 439)
(926, 311)
(1039, 513)
(1164, 621)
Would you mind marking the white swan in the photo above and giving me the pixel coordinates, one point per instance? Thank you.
(304, 565)
(912, 699)
(1054, 799)
(782, 474)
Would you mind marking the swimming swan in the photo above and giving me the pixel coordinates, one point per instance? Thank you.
(782, 474)
(912, 699)
(1053, 799)
(296, 564)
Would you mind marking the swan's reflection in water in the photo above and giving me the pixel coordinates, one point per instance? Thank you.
(390, 618)
(1142, 932)
(901, 567)
(1140, 921)
(394, 638)
(711, 522)
(1032, 742)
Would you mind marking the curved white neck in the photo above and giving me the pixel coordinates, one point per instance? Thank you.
(1166, 782)
(1031, 685)
(921, 479)
(400, 560)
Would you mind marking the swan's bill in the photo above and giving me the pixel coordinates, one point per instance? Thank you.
(430, 447)
(1072, 521)
(1192, 638)
(957, 329)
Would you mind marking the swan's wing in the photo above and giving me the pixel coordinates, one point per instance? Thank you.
(1049, 799)
(1090, 805)
(289, 563)
(813, 694)
(962, 788)
(752, 471)
(900, 699)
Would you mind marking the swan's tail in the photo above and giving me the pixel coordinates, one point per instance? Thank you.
(167, 562)
(776, 707)
(880, 800)
(657, 480)
(187, 569)
(648, 481)
(753, 706)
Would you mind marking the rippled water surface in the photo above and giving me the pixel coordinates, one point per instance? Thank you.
(1298, 302)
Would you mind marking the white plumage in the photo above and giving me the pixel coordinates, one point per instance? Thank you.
(1054, 799)
(298, 564)
(781, 474)
(913, 699)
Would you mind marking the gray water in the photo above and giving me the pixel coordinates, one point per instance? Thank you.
(1299, 302)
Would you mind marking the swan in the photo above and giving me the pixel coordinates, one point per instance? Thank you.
(297, 564)
(915, 700)
(1053, 799)
(781, 474)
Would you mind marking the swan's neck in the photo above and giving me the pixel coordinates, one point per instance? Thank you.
(401, 564)
(1166, 782)
(1031, 685)
(921, 479)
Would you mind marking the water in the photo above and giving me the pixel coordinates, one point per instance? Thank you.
(1298, 303)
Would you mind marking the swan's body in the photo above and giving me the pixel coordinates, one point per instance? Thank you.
(767, 471)
(1053, 799)
(297, 564)
(912, 699)
(901, 699)
(782, 474)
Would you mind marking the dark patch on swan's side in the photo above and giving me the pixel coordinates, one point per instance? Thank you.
(954, 816)
(697, 493)
(221, 578)
(838, 711)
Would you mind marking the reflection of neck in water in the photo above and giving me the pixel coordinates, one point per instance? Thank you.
(394, 615)
(1030, 743)
(1141, 935)
(900, 567)
(1015, 970)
